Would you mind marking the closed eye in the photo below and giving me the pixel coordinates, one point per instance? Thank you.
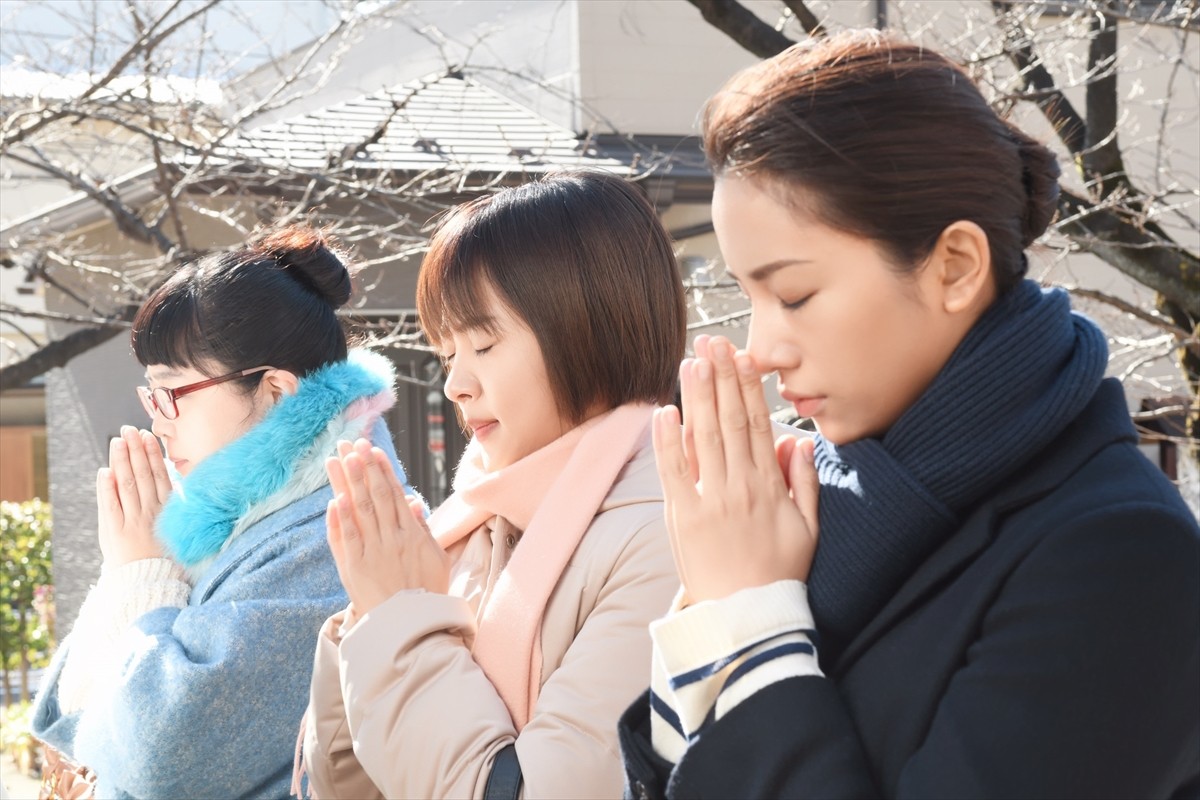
(795, 304)
(484, 350)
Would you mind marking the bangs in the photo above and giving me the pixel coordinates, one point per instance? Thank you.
(455, 287)
(167, 329)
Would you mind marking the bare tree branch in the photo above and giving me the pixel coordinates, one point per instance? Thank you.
(148, 40)
(807, 19)
(5, 308)
(741, 25)
(1067, 122)
(1151, 317)
(126, 220)
(1160, 264)
(54, 354)
(1101, 157)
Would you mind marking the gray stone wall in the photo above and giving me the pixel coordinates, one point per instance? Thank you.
(86, 404)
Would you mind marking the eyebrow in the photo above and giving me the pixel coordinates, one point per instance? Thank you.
(766, 270)
(153, 375)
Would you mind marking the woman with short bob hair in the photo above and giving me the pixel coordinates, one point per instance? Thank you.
(186, 671)
(1003, 599)
(490, 654)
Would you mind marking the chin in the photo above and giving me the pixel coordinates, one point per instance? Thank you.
(838, 435)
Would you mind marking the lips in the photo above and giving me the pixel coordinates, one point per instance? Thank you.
(481, 428)
(805, 406)
(809, 406)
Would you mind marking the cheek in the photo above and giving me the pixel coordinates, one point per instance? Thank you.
(904, 357)
(226, 424)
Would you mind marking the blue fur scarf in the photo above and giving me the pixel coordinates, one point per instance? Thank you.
(1026, 369)
(278, 461)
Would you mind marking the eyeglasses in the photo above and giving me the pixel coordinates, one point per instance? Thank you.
(162, 400)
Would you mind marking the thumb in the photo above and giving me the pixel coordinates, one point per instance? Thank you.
(806, 487)
(785, 446)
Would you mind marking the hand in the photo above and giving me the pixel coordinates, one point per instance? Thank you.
(130, 492)
(378, 537)
(741, 510)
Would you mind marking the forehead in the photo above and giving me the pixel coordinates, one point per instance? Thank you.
(161, 373)
(764, 229)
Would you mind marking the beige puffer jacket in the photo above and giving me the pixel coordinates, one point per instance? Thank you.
(400, 709)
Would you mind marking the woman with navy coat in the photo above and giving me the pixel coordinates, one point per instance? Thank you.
(970, 582)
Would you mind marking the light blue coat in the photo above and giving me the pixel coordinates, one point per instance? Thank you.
(211, 695)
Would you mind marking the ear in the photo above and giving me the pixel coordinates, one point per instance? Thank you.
(962, 263)
(278, 383)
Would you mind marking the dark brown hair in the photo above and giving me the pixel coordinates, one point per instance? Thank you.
(583, 260)
(271, 302)
(885, 140)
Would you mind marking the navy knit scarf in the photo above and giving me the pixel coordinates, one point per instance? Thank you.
(1024, 371)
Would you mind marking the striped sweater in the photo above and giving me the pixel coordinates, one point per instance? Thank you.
(711, 656)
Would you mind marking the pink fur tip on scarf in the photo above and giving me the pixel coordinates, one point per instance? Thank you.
(552, 495)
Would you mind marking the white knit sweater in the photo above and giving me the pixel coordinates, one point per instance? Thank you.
(122, 594)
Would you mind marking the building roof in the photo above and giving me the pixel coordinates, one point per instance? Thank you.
(446, 123)
(21, 82)
(450, 122)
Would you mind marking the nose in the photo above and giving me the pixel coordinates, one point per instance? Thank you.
(767, 341)
(461, 385)
(160, 426)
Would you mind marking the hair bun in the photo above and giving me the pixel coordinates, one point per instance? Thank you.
(1039, 173)
(311, 258)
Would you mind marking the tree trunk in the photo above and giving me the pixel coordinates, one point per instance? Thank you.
(22, 628)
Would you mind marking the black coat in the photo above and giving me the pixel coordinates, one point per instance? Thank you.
(1050, 648)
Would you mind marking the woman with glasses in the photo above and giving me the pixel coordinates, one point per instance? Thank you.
(187, 670)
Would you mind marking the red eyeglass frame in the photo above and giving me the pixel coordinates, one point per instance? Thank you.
(149, 397)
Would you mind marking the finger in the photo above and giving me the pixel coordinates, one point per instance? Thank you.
(389, 470)
(679, 488)
(362, 502)
(758, 414)
(337, 475)
(106, 497)
(688, 438)
(700, 413)
(731, 408)
(398, 489)
(158, 466)
(806, 486)
(352, 542)
(333, 534)
(118, 462)
(344, 448)
(699, 350)
(416, 507)
(139, 464)
(673, 469)
(383, 497)
(784, 446)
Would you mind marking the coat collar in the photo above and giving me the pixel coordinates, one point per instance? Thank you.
(1104, 421)
(275, 463)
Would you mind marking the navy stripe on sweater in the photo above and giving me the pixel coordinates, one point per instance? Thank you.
(664, 710)
(788, 649)
(710, 669)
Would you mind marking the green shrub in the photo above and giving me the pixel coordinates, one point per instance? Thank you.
(16, 741)
(26, 590)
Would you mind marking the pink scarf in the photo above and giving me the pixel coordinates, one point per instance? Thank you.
(552, 495)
